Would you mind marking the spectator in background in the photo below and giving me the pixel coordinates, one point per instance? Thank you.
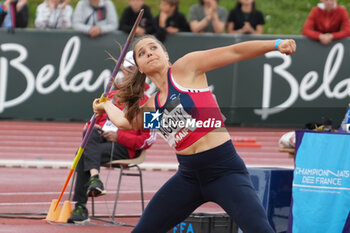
(170, 20)
(327, 22)
(54, 14)
(207, 16)
(245, 18)
(14, 14)
(129, 17)
(95, 17)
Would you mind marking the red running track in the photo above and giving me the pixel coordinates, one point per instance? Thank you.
(47, 141)
(31, 151)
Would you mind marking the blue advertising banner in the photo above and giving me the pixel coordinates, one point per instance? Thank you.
(321, 184)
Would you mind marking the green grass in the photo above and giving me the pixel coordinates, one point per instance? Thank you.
(281, 16)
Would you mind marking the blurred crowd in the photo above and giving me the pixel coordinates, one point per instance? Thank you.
(326, 22)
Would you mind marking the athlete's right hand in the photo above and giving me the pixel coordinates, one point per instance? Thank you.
(98, 107)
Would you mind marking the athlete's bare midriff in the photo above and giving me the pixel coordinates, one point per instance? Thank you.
(208, 141)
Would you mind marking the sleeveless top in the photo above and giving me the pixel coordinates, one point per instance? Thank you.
(187, 115)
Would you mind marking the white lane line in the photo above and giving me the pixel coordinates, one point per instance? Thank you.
(48, 203)
(145, 166)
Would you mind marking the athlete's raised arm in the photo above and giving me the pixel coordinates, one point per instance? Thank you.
(206, 60)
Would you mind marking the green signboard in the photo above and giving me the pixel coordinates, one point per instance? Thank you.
(55, 75)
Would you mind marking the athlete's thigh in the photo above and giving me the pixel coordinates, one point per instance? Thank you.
(236, 195)
(175, 200)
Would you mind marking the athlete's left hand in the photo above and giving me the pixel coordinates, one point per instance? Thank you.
(98, 107)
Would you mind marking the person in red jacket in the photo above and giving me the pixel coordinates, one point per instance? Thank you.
(327, 22)
(104, 137)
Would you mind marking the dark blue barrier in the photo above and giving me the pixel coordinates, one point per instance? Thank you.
(206, 223)
(274, 188)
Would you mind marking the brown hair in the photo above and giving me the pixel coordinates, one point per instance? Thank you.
(133, 87)
(202, 2)
(172, 2)
(239, 6)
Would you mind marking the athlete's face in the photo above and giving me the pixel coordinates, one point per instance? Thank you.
(150, 56)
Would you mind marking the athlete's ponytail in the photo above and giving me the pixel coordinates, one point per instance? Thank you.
(130, 92)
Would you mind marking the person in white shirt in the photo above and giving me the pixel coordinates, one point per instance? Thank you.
(95, 17)
(54, 14)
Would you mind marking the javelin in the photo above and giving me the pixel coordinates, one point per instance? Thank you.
(103, 98)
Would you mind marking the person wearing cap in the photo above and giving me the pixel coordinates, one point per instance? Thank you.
(98, 150)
